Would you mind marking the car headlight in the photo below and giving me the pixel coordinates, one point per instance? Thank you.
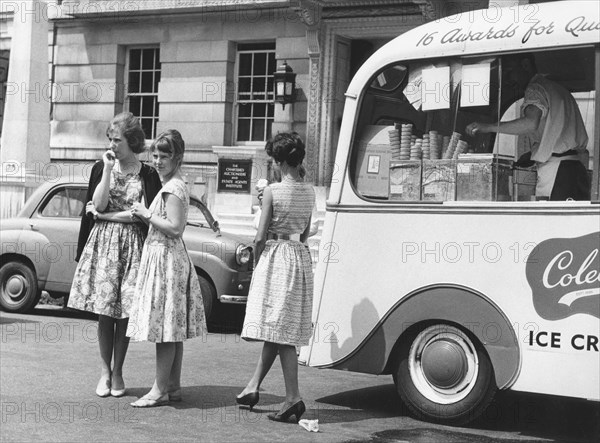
(242, 255)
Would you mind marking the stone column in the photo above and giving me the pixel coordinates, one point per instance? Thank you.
(24, 147)
(26, 129)
(314, 165)
(309, 13)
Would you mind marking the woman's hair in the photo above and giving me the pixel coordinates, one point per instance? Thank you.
(286, 147)
(130, 128)
(170, 142)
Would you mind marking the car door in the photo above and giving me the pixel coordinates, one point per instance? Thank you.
(58, 218)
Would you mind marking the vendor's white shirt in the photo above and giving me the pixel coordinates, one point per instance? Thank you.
(561, 127)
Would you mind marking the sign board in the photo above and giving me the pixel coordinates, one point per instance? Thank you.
(475, 90)
(234, 175)
(435, 88)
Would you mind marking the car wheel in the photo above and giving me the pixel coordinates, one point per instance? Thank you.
(18, 287)
(209, 297)
(444, 375)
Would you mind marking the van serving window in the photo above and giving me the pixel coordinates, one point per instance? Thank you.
(412, 144)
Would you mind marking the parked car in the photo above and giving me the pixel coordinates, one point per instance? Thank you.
(38, 249)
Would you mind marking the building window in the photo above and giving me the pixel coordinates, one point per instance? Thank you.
(143, 75)
(255, 107)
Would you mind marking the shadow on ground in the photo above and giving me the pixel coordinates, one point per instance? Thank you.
(47, 311)
(532, 417)
(229, 321)
(542, 416)
(220, 400)
(209, 397)
(360, 404)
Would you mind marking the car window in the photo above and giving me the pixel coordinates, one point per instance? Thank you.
(65, 203)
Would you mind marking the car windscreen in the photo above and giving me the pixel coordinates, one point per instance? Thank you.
(199, 215)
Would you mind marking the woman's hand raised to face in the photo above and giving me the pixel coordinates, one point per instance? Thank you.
(109, 158)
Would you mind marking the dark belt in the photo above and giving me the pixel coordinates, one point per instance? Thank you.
(273, 236)
(564, 154)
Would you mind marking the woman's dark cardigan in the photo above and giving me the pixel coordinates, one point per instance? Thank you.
(150, 187)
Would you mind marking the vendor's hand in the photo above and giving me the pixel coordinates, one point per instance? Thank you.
(139, 210)
(524, 161)
(91, 209)
(109, 158)
(476, 128)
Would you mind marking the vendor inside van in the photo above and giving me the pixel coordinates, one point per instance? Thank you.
(551, 119)
(454, 127)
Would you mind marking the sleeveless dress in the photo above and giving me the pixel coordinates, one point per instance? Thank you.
(168, 301)
(106, 273)
(279, 308)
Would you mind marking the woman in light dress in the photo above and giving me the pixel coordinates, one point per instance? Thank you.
(279, 305)
(110, 245)
(168, 306)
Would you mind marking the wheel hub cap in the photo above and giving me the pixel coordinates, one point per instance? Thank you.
(16, 286)
(444, 364)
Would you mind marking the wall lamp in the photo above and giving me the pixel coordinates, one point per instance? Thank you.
(285, 84)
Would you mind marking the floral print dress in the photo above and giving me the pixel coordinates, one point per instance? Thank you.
(106, 273)
(168, 303)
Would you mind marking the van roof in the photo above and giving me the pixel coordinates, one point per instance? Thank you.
(507, 29)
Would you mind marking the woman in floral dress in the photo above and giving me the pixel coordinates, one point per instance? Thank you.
(280, 298)
(168, 306)
(110, 245)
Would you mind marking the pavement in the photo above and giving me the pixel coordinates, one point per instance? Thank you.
(49, 368)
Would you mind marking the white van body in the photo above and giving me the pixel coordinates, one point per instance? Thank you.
(459, 298)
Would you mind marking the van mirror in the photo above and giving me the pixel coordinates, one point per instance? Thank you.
(390, 78)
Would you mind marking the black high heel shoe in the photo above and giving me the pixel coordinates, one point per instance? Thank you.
(297, 409)
(248, 400)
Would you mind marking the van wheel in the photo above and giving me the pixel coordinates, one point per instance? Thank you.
(209, 297)
(444, 375)
(18, 287)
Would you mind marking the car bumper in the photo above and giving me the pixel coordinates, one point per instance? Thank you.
(233, 299)
(236, 291)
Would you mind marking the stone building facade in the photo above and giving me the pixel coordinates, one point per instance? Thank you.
(205, 68)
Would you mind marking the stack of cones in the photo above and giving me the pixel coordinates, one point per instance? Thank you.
(435, 146)
(426, 147)
(416, 149)
(461, 148)
(394, 136)
(445, 144)
(454, 139)
(405, 141)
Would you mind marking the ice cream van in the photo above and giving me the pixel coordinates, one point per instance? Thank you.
(439, 263)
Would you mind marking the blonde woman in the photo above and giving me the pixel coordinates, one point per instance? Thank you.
(168, 305)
